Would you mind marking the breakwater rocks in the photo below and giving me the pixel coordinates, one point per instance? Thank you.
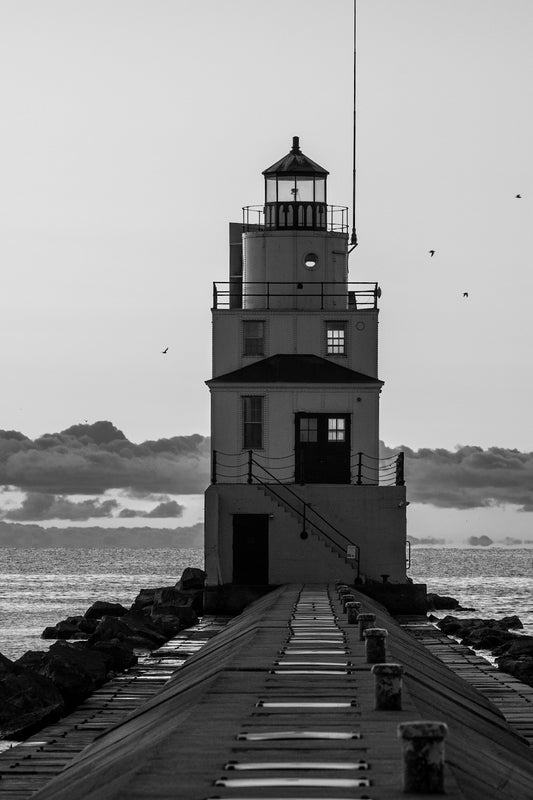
(513, 652)
(91, 648)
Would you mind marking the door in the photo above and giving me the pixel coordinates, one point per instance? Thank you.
(250, 549)
(322, 448)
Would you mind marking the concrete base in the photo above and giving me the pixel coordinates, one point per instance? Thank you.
(232, 599)
(398, 598)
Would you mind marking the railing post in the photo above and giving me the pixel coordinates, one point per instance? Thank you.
(250, 461)
(322, 296)
(359, 480)
(214, 467)
(400, 478)
(304, 519)
(214, 295)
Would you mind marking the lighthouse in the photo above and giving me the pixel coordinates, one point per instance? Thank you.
(298, 491)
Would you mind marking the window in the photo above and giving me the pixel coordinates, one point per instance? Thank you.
(336, 429)
(308, 429)
(336, 338)
(252, 422)
(253, 333)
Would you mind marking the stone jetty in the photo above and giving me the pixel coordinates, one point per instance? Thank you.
(282, 703)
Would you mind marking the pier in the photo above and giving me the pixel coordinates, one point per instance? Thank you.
(280, 703)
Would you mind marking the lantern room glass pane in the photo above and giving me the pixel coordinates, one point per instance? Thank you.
(304, 189)
(287, 189)
(271, 190)
(320, 190)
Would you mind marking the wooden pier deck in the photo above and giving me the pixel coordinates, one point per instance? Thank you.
(280, 705)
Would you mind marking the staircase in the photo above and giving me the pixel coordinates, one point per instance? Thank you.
(310, 526)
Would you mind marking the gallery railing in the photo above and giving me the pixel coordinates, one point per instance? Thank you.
(294, 215)
(317, 295)
(365, 470)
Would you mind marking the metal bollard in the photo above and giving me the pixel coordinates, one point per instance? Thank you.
(376, 639)
(365, 621)
(423, 756)
(352, 609)
(346, 598)
(387, 687)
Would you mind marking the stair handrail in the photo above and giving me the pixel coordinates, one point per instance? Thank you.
(306, 506)
(303, 516)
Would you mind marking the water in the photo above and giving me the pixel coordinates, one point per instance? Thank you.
(40, 586)
(495, 581)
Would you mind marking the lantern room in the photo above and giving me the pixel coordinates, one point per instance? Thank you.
(295, 192)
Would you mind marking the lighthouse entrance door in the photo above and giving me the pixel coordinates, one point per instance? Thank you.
(322, 448)
(250, 549)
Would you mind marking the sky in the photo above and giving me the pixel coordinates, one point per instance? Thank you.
(132, 132)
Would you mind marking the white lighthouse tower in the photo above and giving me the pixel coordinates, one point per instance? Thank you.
(298, 491)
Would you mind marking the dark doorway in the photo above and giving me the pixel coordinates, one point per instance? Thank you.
(250, 549)
(322, 448)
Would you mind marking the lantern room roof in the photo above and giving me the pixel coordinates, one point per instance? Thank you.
(295, 369)
(295, 163)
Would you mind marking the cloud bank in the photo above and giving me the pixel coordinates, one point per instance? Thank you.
(468, 477)
(89, 459)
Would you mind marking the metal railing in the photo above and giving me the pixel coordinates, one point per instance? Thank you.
(388, 471)
(364, 470)
(305, 511)
(317, 295)
(288, 215)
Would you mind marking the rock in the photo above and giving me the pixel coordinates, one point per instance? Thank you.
(75, 669)
(520, 668)
(511, 623)
(438, 602)
(142, 626)
(450, 625)
(27, 701)
(63, 630)
(167, 624)
(170, 596)
(144, 598)
(101, 608)
(121, 655)
(515, 648)
(133, 629)
(487, 638)
(191, 578)
(185, 615)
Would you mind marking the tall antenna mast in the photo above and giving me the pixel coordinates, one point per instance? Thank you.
(353, 240)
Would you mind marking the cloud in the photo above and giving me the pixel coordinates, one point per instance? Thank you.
(468, 477)
(38, 506)
(89, 459)
(169, 508)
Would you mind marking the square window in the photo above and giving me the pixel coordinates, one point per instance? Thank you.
(252, 422)
(308, 429)
(336, 338)
(336, 429)
(253, 335)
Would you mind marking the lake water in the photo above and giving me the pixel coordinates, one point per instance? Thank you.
(40, 586)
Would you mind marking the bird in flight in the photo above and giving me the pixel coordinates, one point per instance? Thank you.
(165, 351)
(465, 294)
(431, 253)
(518, 196)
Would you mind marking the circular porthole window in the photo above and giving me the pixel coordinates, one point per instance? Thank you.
(311, 261)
